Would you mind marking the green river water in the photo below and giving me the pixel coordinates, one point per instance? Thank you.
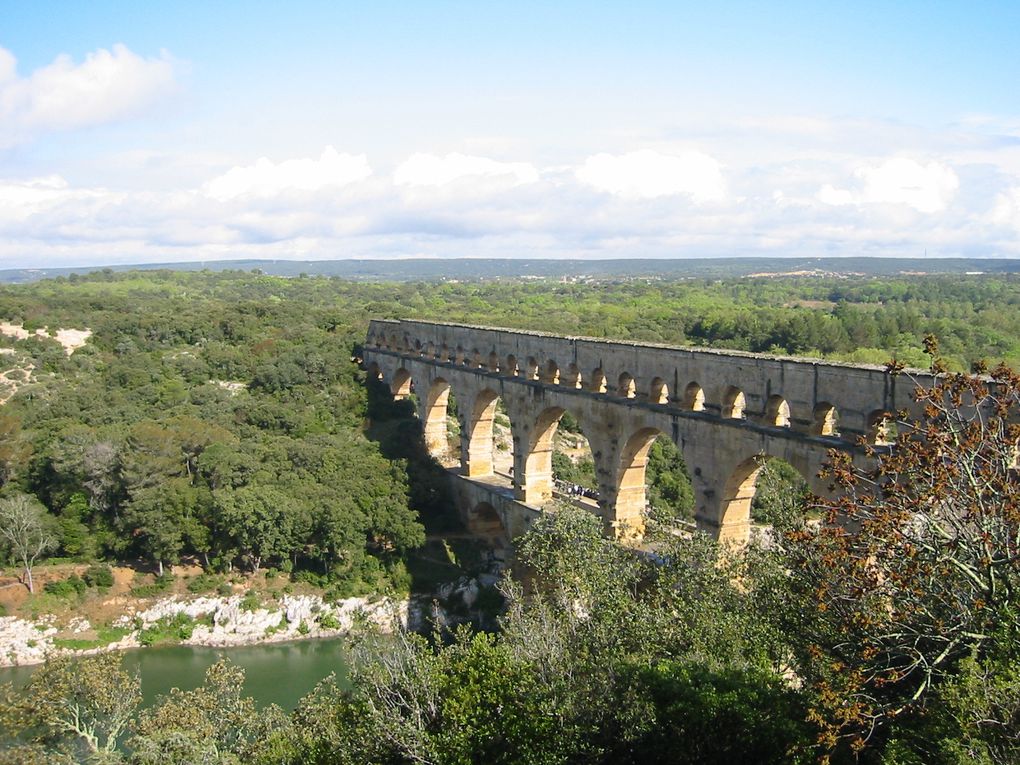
(278, 673)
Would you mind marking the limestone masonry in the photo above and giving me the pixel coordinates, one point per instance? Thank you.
(727, 411)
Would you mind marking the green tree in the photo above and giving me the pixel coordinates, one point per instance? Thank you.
(259, 519)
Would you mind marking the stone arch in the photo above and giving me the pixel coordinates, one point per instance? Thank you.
(628, 518)
(393, 343)
(551, 374)
(511, 366)
(598, 381)
(881, 428)
(435, 417)
(738, 492)
(373, 372)
(401, 385)
(531, 369)
(477, 443)
(777, 412)
(406, 346)
(484, 522)
(458, 357)
(430, 351)
(418, 348)
(572, 377)
(659, 391)
(694, 397)
(626, 387)
(535, 481)
(734, 403)
(825, 421)
(444, 353)
(493, 362)
(476, 360)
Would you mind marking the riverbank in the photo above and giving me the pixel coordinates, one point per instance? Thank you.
(236, 620)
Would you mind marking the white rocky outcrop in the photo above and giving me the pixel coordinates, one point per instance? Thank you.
(223, 621)
(23, 641)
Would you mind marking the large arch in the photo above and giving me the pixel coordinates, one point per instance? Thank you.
(534, 479)
(436, 401)
(477, 443)
(628, 514)
(738, 492)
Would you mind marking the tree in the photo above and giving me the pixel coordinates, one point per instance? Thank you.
(918, 565)
(259, 518)
(90, 701)
(25, 530)
(214, 723)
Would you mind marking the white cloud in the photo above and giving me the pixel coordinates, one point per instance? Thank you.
(928, 188)
(648, 174)
(1007, 208)
(266, 179)
(433, 170)
(21, 199)
(108, 85)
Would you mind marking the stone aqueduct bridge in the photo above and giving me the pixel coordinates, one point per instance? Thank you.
(728, 412)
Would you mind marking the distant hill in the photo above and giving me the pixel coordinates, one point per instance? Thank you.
(469, 269)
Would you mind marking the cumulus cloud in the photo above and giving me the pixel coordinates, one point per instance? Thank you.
(927, 188)
(648, 174)
(433, 170)
(108, 85)
(1007, 208)
(21, 199)
(267, 179)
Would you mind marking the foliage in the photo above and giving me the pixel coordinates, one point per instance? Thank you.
(157, 586)
(98, 575)
(25, 532)
(921, 570)
(670, 494)
(214, 723)
(70, 705)
(72, 585)
(781, 494)
(169, 629)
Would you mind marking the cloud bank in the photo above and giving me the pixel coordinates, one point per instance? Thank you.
(955, 195)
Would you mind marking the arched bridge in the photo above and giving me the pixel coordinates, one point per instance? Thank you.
(728, 412)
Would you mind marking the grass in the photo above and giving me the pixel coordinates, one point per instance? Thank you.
(104, 636)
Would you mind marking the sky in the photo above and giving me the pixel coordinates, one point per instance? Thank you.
(167, 132)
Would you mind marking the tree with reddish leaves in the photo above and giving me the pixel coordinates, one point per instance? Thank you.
(917, 567)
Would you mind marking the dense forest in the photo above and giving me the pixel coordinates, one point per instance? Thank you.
(219, 417)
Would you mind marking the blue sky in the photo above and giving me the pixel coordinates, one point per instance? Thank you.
(134, 132)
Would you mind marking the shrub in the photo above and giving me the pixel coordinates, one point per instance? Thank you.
(204, 583)
(328, 621)
(160, 585)
(225, 589)
(169, 629)
(73, 585)
(303, 628)
(99, 575)
(251, 601)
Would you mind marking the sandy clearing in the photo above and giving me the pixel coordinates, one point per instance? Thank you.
(71, 339)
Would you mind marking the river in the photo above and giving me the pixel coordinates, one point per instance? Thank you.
(275, 673)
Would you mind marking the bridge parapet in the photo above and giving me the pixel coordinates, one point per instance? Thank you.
(820, 397)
